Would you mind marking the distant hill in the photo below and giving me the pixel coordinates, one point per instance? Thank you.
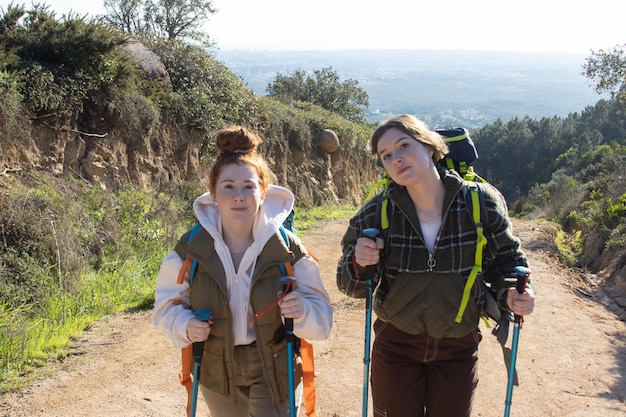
(471, 88)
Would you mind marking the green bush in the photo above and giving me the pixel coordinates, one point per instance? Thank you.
(206, 94)
(10, 106)
(59, 62)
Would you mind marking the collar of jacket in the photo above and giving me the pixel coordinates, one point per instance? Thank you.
(202, 248)
(399, 195)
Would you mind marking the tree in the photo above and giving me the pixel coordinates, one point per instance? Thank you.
(323, 89)
(167, 19)
(124, 15)
(608, 70)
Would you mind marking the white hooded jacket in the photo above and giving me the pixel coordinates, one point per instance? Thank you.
(172, 318)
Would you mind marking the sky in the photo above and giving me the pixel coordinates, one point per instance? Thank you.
(494, 25)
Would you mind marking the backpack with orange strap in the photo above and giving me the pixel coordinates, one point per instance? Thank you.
(305, 350)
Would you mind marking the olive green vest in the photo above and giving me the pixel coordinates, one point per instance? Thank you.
(209, 290)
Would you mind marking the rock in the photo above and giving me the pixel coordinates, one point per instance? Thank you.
(149, 62)
(327, 141)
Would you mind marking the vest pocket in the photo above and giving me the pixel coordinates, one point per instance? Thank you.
(279, 356)
(213, 371)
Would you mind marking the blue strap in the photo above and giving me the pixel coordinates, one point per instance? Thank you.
(283, 232)
(194, 263)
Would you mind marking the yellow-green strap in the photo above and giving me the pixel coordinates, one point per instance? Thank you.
(384, 217)
(383, 181)
(457, 138)
(463, 168)
(481, 241)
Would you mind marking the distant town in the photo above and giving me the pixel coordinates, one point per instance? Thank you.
(446, 88)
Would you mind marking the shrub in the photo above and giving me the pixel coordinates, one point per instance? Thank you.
(10, 105)
(206, 95)
(59, 62)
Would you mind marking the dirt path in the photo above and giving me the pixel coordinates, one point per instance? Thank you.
(571, 360)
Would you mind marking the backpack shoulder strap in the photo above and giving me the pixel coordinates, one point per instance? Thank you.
(286, 269)
(383, 214)
(194, 263)
(475, 202)
(190, 265)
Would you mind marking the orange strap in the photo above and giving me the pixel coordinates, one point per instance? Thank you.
(186, 353)
(289, 269)
(185, 373)
(184, 269)
(308, 368)
(308, 377)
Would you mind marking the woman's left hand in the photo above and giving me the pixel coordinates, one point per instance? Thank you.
(292, 305)
(521, 304)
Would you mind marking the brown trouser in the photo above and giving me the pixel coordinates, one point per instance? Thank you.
(417, 375)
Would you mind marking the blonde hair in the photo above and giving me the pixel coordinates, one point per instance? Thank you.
(237, 145)
(416, 129)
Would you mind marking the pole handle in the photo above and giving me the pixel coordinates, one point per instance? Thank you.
(522, 275)
(203, 314)
(371, 233)
(288, 286)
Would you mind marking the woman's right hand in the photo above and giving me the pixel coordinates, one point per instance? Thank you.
(367, 251)
(198, 330)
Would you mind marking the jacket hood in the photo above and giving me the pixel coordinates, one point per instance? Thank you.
(274, 210)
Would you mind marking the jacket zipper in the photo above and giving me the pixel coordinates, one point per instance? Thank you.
(431, 262)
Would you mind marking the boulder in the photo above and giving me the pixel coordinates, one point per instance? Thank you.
(327, 141)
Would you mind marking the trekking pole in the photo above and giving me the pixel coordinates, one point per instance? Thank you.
(288, 283)
(522, 279)
(202, 315)
(370, 271)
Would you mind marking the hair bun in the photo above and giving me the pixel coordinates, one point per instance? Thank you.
(237, 139)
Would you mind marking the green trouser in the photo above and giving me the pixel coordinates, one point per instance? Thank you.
(254, 398)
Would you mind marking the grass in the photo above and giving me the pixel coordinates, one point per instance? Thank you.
(28, 341)
(569, 246)
(33, 336)
(307, 218)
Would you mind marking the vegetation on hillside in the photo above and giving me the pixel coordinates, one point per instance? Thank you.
(323, 89)
(568, 170)
(608, 70)
(164, 19)
(70, 251)
(571, 171)
(50, 66)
